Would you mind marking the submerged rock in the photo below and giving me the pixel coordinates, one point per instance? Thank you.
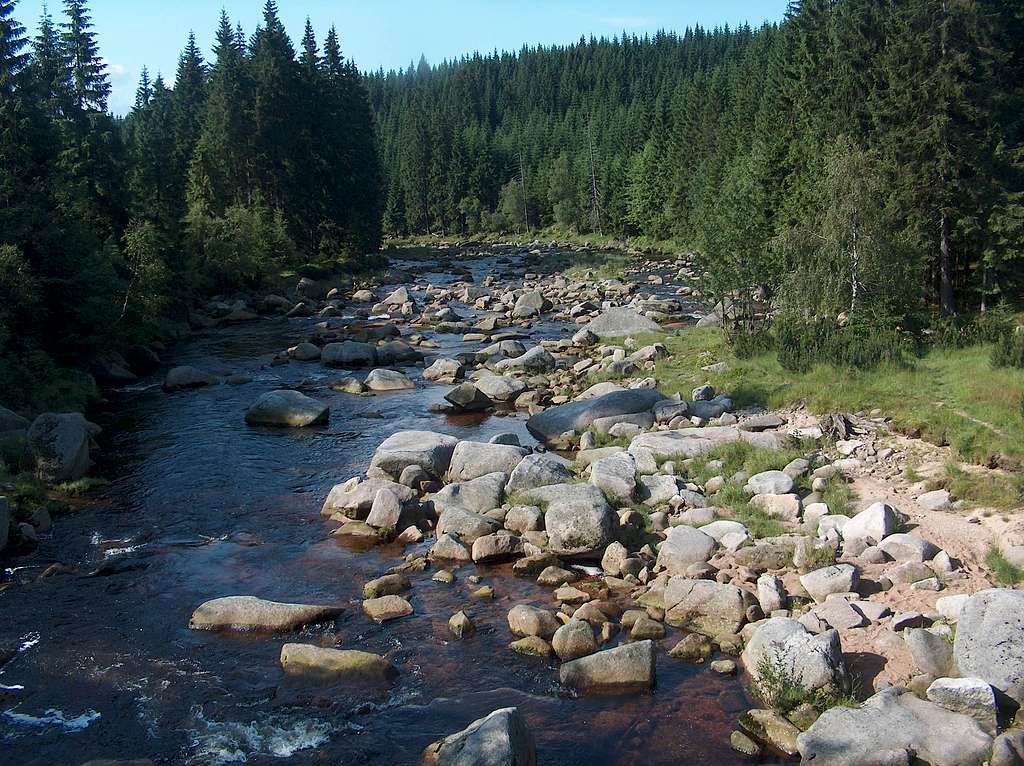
(345, 664)
(187, 377)
(248, 613)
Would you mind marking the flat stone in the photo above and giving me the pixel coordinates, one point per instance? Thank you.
(248, 613)
(471, 460)
(626, 667)
(344, 664)
(386, 608)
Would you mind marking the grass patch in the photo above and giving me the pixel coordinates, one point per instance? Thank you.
(1003, 571)
(778, 689)
(990, 489)
(838, 497)
(81, 486)
(740, 456)
(758, 523)
(27, 494)
(607, 440)
(947, 396)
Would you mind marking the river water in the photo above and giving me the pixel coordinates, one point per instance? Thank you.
(200, 506)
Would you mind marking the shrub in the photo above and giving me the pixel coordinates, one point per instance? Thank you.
(1009, 351)
(240, 248)
(966, 330)
(863, 342)
(778, 689)
(1003, 571)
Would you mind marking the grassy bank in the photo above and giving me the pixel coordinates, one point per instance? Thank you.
(948, 396)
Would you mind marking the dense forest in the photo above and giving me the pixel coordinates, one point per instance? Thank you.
(860, 153)
(250, 164)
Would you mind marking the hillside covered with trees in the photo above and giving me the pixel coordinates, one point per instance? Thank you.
(860, 153)
(261, 159)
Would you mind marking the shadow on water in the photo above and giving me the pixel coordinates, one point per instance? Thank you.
(200, 506)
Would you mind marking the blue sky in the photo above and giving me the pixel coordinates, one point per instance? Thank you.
(385, 33)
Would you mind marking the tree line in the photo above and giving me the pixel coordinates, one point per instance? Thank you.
(260, 160)
(858, 156)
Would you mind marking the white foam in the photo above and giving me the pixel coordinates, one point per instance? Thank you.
(50, 718)
(223, 742)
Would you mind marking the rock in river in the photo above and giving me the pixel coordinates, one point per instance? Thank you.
(345, 664)
(430, 451)
(500, 739)
(471, 460)
(60, 442)
(388, 380)
(187, 377)
(250, 613)
(624, 668)
(705, 606)
(578, 519)
(577, 416)
(386, 608)
(286, 409)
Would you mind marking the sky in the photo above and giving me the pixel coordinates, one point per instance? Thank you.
(384, 33)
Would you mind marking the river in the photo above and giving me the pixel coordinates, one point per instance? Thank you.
(201, 505)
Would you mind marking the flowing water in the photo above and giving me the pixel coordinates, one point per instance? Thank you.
(200, 506)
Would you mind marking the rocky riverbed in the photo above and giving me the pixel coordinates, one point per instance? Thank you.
(407, 524)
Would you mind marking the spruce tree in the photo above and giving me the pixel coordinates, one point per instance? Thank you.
(90, 87)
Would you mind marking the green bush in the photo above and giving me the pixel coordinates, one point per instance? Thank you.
(241, 248)
(864, 342)
(966, 330)
(1009, 351)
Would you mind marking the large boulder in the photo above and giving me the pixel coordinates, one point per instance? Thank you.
(478, 495)
(989, 641)
(537, 359)
(539, 470)
(471, 460)
(348, 353)
(786, 649)
(626, 667)
(838, 578)
(620, 322)
(60, 443)
(894, 726)
(465, 525)
(704, 606)
(499, 739)
(248, 613)
(500, 388)
(525, 620)
(615, 476)
(578, 416)
(382, 379)
(187, 377)
(286, 409)
(444, 371)
(530, 304)
(872, 525)
(683, 547)
(342, 664)
(692, 442)
(430, 451)
(578, 519)
(356, 498)
(769, 483)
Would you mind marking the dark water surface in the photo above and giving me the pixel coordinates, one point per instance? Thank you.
(200, 506)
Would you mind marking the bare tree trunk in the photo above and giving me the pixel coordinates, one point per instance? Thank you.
(947, 297)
